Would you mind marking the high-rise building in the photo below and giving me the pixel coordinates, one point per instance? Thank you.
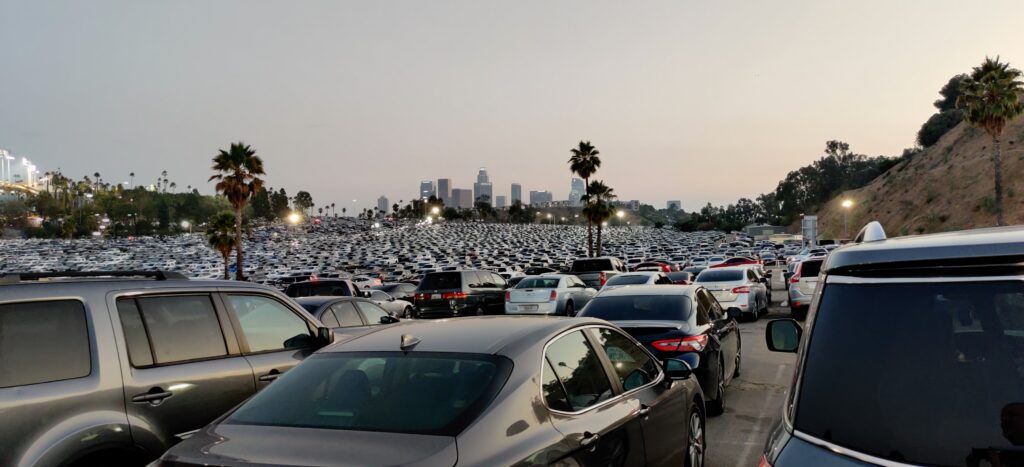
(499, 202)
(382, 204)
(517, 193)
(674, 204)
(444, 190)
(427, 189)
(576, 191)
(462, 198)
(540, 197)
(482, 189)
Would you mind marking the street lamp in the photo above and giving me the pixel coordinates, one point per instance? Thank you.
(186, 225)
(294, 218)
(847, 204)
(435, 210)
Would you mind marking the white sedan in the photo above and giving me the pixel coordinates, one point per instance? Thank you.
(548, 294)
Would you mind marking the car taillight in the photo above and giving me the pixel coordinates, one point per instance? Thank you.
(741, 289)
(508, 295)
(554, 296)
(420, 296)
(685, 344)
(604, 278)
(451, 295)
(764, 462)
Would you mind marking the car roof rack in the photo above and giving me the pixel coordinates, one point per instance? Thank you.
(16, 277)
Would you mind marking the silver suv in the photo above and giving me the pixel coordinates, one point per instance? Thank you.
(114, 368)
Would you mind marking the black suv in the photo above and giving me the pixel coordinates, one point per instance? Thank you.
(460, 293)
(912, 354)
(324, 287)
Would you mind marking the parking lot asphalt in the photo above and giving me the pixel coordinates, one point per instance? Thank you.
(754, 400)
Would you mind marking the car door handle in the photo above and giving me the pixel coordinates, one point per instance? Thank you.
(272, 375)
(152, 396)
(644, 411)
(589, 439)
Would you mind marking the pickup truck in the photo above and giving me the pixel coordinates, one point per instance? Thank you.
(596, 271)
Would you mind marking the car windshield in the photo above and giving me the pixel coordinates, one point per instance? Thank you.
(720, 275)
(941, 383)
(628, 279)
(441, 281)
(420, 393)
(587, 265)
(538, 283)
(639, 307)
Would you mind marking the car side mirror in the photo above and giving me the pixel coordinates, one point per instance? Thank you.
(387, 319)
(324, 337)
(783, 335)
(681, 368)
(367, 294)
(734, 313)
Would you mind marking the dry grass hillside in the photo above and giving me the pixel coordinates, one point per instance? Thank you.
(947, 187)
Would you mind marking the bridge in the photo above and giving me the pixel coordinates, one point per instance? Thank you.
(17, 187)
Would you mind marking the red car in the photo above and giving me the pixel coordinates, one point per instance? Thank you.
(736, 261)
(653, 266)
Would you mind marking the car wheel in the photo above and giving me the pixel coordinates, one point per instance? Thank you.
(570, 309)
(739, 360)
(407, 314)
(717, 406)
(695, 439)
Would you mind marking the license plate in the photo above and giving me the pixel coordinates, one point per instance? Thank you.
(527, 307)
(435, 296)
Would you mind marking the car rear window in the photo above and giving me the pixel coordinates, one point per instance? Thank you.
(538, 283)
(588, 265)
(42, 342)
(442, 281)
(418, 393)
(943, 373)
(628, 279)
(324, 289)
(639, 307)
(810, 268)
(720, 275)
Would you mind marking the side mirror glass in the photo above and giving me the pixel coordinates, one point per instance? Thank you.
(783, 335)
(734, 313)
(682, 367)
(388, 319)
(324, 337)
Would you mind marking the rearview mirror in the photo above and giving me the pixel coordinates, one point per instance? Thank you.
(324, 337)
(682, 367)
(783, 335)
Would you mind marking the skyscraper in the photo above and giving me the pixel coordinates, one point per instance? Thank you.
(499, 202)
(444, 190)
(427, 189)
(462, 198)
(482, 189)
(576, 191)
(540, 197)
(517, 193)
(382, 204)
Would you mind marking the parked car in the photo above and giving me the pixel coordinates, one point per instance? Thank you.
(715, 261)
(550, 294)
(460, 293)
(735, 261)
(324, 287)
(394, 306)
(681, 277)
(514, 281)
(653, 266)
(636, 278)
(736, 287)
(399, 290)
(113, 368)
(801, 286)
(674, 321)
(427, 393)
(596, 271)
(925, 337)
(347, 314)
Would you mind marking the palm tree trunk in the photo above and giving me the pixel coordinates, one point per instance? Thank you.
(598, 239)
(238, 244)
(226, 255)
(590, 225)
(997, 160)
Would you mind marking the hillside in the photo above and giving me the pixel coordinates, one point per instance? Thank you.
(948, 186)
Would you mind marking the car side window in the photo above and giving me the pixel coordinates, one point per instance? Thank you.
(554, 393)
(29, 352)
(580, 371)
(498, 281)
(378, 295)
(171, 329)
(346, 314)
(472, 280)
(372, 312)
(703, 306)
(633, 366)
(709, 303)
(268, 325)
(328, 318)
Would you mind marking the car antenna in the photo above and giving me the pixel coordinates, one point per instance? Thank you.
(408, 342)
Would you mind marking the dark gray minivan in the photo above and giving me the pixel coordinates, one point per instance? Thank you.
(460, 293)
(114, 368)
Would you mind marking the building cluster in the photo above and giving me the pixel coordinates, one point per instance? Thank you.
(483, 191)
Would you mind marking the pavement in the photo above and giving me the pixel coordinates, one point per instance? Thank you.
(753, 401)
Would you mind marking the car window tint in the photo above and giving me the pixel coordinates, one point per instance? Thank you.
(328, 318)
(639, 307)
(720, 275)
(42, 342)
(497, 281)
(372, 312)
(633, 366)
(346, 314)
(443, 281)
(139, 352)
(182, 327)
(269, 325)
(378, 295)
(554, 393)
(580, 371)
(810, 269)
(538, 283)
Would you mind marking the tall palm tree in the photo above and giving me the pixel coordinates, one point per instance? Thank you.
(333, 212)
(238, 179)
(584, 162)
(989, 98)
(597, 206)
(220, 236)
(131, 179)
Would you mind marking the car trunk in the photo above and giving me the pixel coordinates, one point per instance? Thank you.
(723, 290)
(648, 332)
(529, 295)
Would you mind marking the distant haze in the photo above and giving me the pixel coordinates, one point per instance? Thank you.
(695, 101)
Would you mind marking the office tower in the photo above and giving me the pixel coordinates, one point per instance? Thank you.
(427, 189)
(576, 191)
(517, 193)
(540, 197)
(482, 189)
(462, 198)
(499, 202)
(444, 190)
(382, 205)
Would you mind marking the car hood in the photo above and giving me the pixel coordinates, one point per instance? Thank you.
(246, 445)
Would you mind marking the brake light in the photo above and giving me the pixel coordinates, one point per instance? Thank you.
(764, 462)
(554, 296)
(604, 278)
(685, 344)
(741, 289)
(451, 295)
(421, 296)
(508, 295)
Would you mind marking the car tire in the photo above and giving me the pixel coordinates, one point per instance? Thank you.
(570, 310)
(717, 405)
(695, 439)
(407, 314)
(739, 361)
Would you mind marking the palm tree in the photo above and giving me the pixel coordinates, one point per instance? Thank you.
(174, 186)
(989, 98)
(220, 236)
(598, 208)
(333, 212)
(239, 168)
(343, 211)
(584, 162)
(131, 179)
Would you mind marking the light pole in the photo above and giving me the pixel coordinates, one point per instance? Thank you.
(847, 204)
(549, 218)
(620, 214)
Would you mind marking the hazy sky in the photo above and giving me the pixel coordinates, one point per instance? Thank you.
(698, 101)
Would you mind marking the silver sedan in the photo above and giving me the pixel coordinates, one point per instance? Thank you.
(399, 308)
(548, 294)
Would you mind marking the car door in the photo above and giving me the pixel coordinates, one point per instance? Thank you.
(184, 364)
(600, 428)
(273, 336)
(372, 313)
(662, 406)
(724, 328)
